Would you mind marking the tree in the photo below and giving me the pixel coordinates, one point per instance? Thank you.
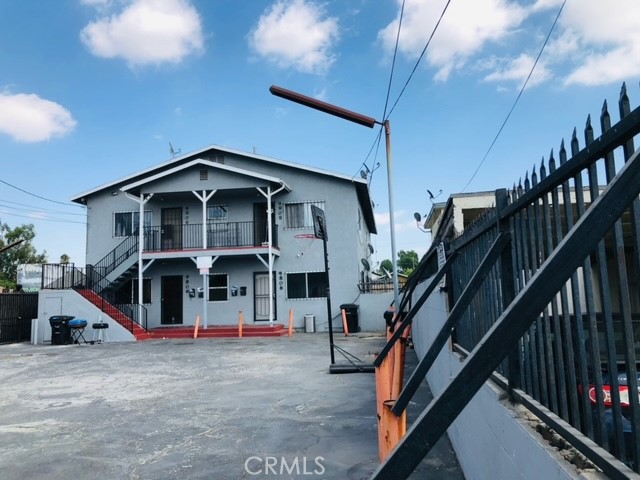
(65, 259)
(407, 261)
(22, 253)
(387, 266)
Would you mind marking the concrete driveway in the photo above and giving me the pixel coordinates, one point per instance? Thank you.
(185, 409)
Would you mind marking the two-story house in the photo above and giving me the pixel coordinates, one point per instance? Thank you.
(219, 231)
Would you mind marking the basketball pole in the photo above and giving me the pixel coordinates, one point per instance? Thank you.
(326, 270)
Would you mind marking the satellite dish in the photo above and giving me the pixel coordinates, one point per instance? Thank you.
(370, 248)
(365, 264)
(386, 272)
(417, 216)
(363, 174)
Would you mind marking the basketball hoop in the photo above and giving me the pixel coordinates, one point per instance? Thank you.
(305, 240)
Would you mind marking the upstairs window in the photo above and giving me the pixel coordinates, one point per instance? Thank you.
(126, 223)
(298, 215)
(217, 213)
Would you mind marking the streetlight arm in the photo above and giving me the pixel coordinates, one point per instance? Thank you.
(323, 106)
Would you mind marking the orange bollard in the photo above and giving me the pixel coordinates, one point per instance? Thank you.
(240, 322)
(389, 379)
(197, 326)
(345, 327)
(290, 322)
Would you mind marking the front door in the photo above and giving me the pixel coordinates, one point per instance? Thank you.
(171, 228)
(261, 297)
(171, 300)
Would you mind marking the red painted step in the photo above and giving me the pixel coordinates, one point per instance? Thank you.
(220, 331)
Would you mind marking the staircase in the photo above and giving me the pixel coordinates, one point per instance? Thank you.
(113, 312)
(219, 331)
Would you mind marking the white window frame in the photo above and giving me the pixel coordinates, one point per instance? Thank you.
(306, 286)
(220, 208)
(225, 288)
(306, 216)
(134, 222)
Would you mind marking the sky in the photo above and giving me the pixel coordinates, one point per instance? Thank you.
(95, 90)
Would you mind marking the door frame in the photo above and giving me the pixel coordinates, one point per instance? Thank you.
(175, 296)
(171, 233)
(275, 306)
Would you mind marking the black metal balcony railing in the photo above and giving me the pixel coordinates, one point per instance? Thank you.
(218, 235)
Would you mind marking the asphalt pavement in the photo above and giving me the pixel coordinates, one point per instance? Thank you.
(215, 409)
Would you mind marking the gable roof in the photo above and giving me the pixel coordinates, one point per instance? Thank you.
(361, 185)
(208, 163)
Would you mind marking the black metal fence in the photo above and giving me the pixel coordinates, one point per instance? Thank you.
(216, 235)
(545, 290)
(579, 357)
(16, 312)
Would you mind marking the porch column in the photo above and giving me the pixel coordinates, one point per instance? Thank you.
(268, 195)
(142, 200)
(204, 198)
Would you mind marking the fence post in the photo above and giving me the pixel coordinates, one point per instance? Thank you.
(508, 288)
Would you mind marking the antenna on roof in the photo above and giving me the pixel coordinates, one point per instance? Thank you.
(432, 197)
(173, 152)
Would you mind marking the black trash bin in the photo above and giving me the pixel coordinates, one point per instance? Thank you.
(60, 331)
(351, 311)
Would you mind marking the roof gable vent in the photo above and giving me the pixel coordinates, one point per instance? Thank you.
(204, 174)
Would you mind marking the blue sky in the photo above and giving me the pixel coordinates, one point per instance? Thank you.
(93, 90)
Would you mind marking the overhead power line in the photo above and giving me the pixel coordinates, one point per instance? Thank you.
(33, 208)
(39, 196)
(46, 219)
(424, 50)
(524, 85)
(376, 143)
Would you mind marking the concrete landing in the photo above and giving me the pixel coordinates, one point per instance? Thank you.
(184, 409)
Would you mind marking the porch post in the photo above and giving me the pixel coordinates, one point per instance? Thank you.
(142, 200)
(204, 198)
(269, 239)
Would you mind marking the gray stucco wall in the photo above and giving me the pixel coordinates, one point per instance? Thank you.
(490, 439)
(69, 302)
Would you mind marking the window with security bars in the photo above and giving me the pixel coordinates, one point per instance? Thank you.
(217, 213)
(126, 223)
(306, 285)
(298, 215)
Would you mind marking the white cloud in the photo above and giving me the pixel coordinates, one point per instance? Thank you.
(607, 40)
(518, 69)
(594, 42)
(146, 32)
(296, 34)
(29, 118)
(465, 29)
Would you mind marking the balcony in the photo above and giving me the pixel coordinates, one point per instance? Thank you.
(222, 238)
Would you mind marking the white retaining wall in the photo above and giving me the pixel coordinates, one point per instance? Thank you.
(490, 439)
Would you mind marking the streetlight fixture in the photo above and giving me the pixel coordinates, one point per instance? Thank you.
(367, 122)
